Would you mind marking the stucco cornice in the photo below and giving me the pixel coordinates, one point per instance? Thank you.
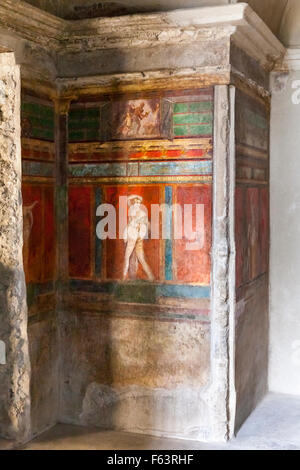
(32, 24)
(132, 82)
(238, 22)
(201, 24)
(290, 62)
(254, 37)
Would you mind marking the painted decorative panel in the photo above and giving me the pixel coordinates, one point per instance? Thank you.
(252, 250)
(252, 192)
(157, 151)
(39, 233)
(84, 124)
(192, 119)
(109, 255)
(240, 237)
(80, 231)
(37, 119)
(194, 265)
(169, 115)
(252, 233)
(140, 232)
(38, 171)
(252, 221)
(115, 250)
(136, 119)
(264, 229)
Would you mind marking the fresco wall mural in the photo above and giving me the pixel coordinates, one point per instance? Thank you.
(38, 160)
(252, 251)
(39, 254)
(133, 158)
(142, 296)
(252, 192)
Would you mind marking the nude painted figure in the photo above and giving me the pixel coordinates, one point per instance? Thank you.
(27, 227)
(134, 235)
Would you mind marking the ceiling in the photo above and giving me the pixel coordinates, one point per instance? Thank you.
(282, 16)
(78, 9)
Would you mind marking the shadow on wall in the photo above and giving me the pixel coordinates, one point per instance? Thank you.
(6, 277)
(14, 401)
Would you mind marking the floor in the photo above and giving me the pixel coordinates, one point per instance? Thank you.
(274, 425)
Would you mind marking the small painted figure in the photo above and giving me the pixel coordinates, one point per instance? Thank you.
(138, 115)
(152, 127)
(136, 119)
(134, 235)
(125, 127)
(27, 227)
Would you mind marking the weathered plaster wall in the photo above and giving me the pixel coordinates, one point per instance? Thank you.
(15, 374)
(252, 252)
(135, 374)
(252, 336)
(289, 29)
(44, 357)
(34, 59)
(161, 57)
(285, 274)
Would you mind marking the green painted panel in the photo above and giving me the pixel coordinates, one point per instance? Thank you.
(198, 107)
(194, 118)
(75, 136)
(181, 108)
(201, 130)
(181, 130)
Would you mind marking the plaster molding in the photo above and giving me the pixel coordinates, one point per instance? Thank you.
(257, 40)
(62, 105)
(31, 23)
(159, 80)
(42, 86)
(236, 21)
(250, 87)
(129, 82)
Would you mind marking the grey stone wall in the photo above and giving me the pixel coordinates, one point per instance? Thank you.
(14, 375)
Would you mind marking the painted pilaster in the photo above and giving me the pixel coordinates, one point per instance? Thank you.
(223, 281)
(61, 125)
(62, 107)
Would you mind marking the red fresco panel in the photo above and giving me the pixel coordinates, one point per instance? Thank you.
(264, 229)
(194, 266)
(253, 232)
(80, 232)
(50, 252)
(33, 232)
(240, 237)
